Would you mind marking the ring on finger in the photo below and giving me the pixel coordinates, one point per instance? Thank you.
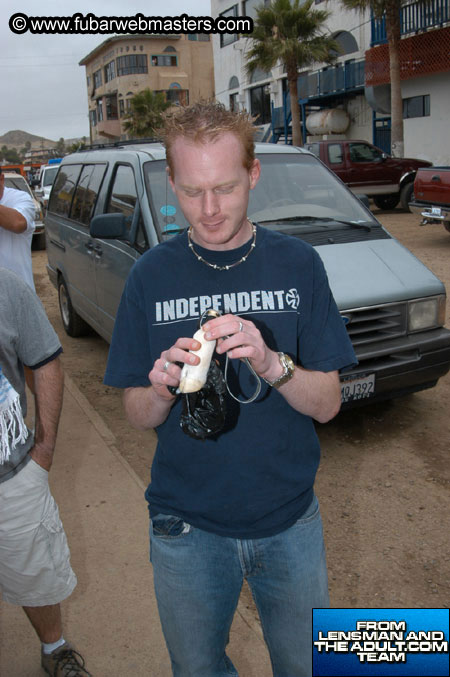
(166, 365)
(241, 326)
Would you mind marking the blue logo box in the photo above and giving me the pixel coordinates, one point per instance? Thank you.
(388, 642)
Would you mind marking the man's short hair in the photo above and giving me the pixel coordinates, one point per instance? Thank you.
(205, 121)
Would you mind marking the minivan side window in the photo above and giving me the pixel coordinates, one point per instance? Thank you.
(86, 193)
(63, 190)
(123, 196)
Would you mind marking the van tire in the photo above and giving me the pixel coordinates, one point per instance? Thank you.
(73, 324)
(389, 201)
(407, 195)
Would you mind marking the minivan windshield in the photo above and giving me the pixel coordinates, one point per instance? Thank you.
(295, 192)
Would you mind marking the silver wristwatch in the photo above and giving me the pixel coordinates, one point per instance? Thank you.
(288, 371)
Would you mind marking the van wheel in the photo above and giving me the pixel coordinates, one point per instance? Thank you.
(407, 195)
(73, 324)
(387, 201)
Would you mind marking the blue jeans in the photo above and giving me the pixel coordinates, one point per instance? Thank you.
(198, 578)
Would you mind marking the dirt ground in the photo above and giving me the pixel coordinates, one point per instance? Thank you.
(384, 479)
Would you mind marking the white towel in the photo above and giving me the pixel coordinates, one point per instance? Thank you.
(13, 430)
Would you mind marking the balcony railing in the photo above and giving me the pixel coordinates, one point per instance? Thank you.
(414, 16)
(338, 79)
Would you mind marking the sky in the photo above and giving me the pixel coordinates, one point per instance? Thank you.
(43, 88)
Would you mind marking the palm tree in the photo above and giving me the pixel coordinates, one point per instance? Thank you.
(145, 116)
(292, 34)
(391, 10)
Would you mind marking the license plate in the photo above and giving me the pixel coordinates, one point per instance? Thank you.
(357, 387)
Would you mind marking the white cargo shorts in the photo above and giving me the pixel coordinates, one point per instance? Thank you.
(34, 556)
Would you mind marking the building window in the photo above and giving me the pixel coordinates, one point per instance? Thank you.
(260, 104)
(110, 71)
(164, 60)
(346, 42)
(416, 106)
(98, 79)
(121, 108)
(99, 110)
(111, 107)
(132, 64)
(234, 105)
(176, 95)
(251, 5)
(229, 38)
(201, 37)
(93, 117)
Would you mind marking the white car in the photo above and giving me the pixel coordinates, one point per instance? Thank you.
(47, 175)
(14, 180)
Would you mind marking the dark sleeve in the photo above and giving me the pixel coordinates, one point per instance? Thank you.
(130, 359)
(324, 344)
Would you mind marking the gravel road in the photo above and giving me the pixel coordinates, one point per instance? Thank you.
(384, 480)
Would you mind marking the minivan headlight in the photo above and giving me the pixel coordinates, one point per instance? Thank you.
(426, 313)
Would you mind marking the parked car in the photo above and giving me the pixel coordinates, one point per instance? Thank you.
(367, 170)
(13, 180)
(108, 206)
(44, 183)
(431, 198)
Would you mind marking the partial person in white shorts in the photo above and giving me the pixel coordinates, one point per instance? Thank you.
(35, 570)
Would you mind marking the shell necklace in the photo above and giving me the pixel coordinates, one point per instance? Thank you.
(214, 265)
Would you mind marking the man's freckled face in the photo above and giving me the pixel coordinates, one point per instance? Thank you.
(212, 186)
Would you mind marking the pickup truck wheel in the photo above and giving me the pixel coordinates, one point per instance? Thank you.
(73, 324)
(407, 195)
(387, 201)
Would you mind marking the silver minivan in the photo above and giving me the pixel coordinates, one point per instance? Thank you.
(109, 205)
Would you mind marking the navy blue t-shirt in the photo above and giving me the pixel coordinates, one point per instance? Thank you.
(256, 478)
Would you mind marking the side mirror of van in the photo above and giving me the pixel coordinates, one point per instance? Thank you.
(109, 227)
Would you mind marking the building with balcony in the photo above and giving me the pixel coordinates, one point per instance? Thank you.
(424, 55)
(181, 66)
(357, 84)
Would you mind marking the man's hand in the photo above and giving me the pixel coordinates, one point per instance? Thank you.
(313, 393)
(149, 407)
(166, 371)
(240, 338)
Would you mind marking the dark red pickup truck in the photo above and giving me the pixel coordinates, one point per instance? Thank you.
(367, 170)
(431, 198)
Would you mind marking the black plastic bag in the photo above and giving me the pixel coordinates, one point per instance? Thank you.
(204, 412)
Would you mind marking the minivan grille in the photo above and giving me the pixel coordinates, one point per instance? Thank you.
(378, 323)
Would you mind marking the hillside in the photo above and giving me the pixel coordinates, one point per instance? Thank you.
(17, 139)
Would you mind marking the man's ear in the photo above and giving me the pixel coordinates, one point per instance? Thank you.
(254, 173)
(169, 176)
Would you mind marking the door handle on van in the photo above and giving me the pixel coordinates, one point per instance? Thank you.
(89, 246)
(98, 250)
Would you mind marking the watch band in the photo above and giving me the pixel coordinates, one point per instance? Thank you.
(288, 371)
